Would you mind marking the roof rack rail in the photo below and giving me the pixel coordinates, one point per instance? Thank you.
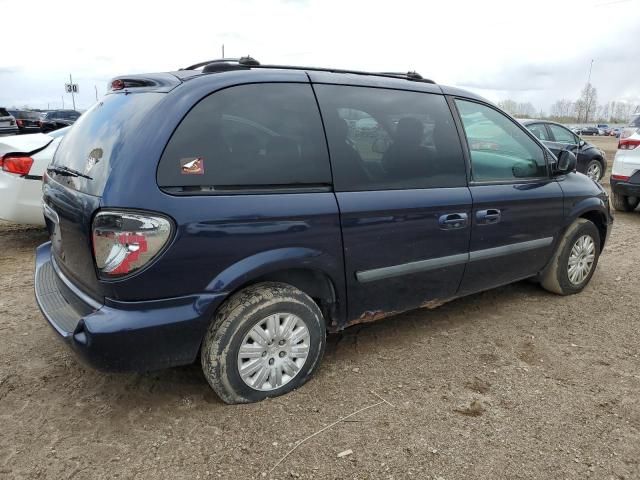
(245, 61)
(413, 76)
(223, 64)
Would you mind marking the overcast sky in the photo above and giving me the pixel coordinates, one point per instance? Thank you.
(529, 51)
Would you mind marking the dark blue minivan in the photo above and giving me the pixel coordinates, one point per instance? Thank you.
(238, 212)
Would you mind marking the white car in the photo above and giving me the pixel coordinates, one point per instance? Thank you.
(7, 123)
(625, 173)
(23, 161)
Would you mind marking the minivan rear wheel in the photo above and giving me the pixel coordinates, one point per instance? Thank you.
(265, 341)
(575, 260)
(624, 203)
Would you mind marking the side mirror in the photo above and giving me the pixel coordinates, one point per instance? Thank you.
(581, 143)
(566, 162)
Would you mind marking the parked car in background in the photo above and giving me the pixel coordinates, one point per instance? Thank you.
(7, 123)
(57, 119)
(230, 215)
(589, 131)
(603, 129)
(615, 132)
(591, 160)
(625, 174)
(27, 121)
(23, 160)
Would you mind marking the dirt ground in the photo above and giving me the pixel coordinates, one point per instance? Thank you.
(511, 383)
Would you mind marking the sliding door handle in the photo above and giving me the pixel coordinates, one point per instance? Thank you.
(453, 221)
(488, 217)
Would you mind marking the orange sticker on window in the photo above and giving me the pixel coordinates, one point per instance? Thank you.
(192, 166)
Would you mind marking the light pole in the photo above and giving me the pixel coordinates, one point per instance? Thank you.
(73, 98)
(588, 96)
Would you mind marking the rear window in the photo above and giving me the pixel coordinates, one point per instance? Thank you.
(25, 115)
(249, 137)
(635, 121)
(91, 146)
(3, 113)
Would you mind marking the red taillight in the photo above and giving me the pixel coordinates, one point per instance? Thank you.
(19, 122)
(628, 144)
(125, 242)
(117, 85)
(621, 178)
(20, 165)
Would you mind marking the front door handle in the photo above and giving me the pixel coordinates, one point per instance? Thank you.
(488, 217)
(453, 221)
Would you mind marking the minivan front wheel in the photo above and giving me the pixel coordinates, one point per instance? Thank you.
(575, 260)
(265, 341)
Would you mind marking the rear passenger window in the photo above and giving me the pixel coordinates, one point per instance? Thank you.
(563, 135)
(539, 130)
(500, 150)
(249, 136)
(382, 139)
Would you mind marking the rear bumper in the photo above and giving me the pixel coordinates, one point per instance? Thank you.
(625, 188)
(122, 336)
(9, 130)
(21, 199)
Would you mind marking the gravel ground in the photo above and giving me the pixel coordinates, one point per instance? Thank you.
(510, 383)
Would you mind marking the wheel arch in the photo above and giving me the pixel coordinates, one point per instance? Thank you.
(600, 220)
(315, 273)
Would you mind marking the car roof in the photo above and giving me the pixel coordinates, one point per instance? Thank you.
(165, 82)
(530, 121)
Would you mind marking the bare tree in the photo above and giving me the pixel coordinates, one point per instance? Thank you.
(622, 112)
(562, 110)
(588, 102)
(509, 106)
(518, 109)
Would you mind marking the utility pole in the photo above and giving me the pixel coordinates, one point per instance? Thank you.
(96, 87)
(62, 97)
(73, 97)
(223, 50)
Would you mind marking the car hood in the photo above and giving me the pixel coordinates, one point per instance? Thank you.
(24, 143)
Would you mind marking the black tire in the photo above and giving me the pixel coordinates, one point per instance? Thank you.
(555, 277)
(233, 322)
(599, 163)
(623, 203)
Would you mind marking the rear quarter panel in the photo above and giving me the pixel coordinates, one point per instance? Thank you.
(221, 241)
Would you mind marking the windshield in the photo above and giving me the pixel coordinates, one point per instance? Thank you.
(91, 146)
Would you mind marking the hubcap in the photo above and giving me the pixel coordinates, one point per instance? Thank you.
(581, 259)
(273, 352)
(594, 171)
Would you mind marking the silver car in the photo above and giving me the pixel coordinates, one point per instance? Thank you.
(7, 123)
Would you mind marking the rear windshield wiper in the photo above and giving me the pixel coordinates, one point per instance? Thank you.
(62, 170)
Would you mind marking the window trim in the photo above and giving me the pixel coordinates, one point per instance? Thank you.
(465, 146)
